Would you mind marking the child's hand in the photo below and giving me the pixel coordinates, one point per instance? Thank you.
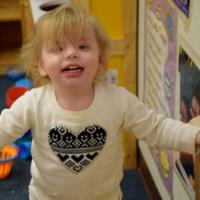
(196, 122)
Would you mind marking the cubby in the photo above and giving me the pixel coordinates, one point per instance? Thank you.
(10, 24)
(10, 34)
(9, 10)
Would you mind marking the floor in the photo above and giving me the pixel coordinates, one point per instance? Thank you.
(15, 187)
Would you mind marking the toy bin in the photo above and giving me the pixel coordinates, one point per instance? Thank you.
(25, 82)
(7, 155)
(15, 72)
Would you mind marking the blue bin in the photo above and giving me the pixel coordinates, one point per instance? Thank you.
(15, 72)
(25, 82)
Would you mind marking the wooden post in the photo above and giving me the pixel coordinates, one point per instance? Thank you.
(197, 176)
(130, 71)
(196, 122)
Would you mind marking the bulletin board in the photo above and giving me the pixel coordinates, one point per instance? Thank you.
(168, 40)
(157, 72)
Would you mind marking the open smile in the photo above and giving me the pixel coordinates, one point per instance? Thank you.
(72, 70)
(75, 68)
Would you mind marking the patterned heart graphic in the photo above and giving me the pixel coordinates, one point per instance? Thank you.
(76, 152)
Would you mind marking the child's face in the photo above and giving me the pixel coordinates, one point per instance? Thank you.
(74, 63)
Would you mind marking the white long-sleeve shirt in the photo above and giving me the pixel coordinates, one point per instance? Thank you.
(78, 155)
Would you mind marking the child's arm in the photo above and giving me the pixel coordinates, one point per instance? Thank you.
(15, 121)
(155, 129)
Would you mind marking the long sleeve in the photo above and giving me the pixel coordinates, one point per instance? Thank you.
(157, 130)
(15, 121)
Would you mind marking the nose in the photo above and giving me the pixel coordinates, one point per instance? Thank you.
(71, 53)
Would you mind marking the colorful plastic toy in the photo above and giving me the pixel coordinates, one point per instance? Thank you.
(25, 150)
(7, 155)
(25, 82)
(14, 93)
(15, 72)
(24, 145)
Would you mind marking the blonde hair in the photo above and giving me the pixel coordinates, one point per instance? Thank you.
(68, 20)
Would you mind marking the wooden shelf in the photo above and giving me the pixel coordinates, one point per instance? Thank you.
(8, 57)
(9, 10)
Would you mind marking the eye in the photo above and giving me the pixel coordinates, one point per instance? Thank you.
(55, 49)
(83, 46)
(59, 48)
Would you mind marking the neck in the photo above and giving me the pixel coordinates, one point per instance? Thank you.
(75, 99)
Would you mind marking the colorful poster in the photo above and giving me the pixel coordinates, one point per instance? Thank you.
(160, 56)
(160, 71)
(189, 112)
(184, 6)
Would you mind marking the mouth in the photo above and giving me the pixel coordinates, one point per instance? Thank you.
(72, 71)
(72, 68)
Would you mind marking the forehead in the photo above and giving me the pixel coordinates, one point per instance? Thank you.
(77, 32)
(87, 35)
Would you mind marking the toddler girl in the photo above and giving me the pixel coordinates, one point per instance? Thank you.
(77, 118)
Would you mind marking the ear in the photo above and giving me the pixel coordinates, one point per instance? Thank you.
(102, 61)
(41, 68)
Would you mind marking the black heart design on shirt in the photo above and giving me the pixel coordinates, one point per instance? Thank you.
(76, 152)
(77, 158)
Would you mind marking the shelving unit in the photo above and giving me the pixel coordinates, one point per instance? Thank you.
(8, 57)
(9, 10)
(11, 33)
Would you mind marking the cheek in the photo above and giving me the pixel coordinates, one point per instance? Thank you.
(41, 69)
(91, 61)
(43, 72)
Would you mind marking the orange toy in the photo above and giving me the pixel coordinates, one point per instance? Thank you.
(7, 154)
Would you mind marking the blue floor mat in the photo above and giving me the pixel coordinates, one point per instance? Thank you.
(15, 187)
